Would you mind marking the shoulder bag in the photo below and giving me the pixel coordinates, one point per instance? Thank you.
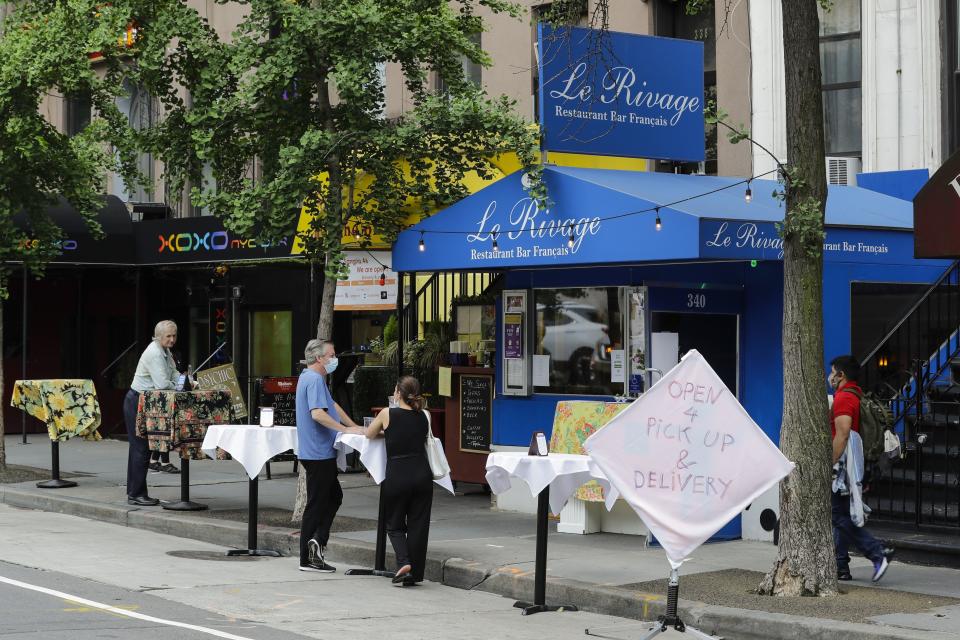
(438, 461)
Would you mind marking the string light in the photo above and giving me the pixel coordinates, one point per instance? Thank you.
(571, 239)
(383, 277)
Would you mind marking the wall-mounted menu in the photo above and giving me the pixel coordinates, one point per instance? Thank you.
(476, 413)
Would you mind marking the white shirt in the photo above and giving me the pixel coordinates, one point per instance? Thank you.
(155, 370)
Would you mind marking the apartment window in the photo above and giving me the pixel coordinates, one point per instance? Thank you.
(951, 67)
(472, 72)
(141, 111)
(840, 71)
(77, 109)
(672, 21)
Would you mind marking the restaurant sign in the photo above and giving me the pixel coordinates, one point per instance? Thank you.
(609, 93)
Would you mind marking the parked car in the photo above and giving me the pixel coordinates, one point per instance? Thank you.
(576, 340)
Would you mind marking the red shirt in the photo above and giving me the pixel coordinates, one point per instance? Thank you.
(845, 403)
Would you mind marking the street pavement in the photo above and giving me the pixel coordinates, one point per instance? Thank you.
(479, 549)
(144, 574)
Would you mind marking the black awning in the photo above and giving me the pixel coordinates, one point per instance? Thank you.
(79, 246)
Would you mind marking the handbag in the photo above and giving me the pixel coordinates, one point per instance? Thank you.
(438, 462)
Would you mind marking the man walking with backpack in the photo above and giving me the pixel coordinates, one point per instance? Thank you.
(845, 417)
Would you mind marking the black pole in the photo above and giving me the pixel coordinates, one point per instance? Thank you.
(184, 504)
(23, 351)
(380, 553)
(540, 566)
(55, 482)
(253, 508)
(400, 277)
(380, 559)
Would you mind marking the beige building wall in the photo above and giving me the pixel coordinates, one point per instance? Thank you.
(733, 87)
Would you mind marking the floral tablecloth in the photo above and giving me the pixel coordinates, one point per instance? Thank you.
(179, 419)
(68, 407)
(574, 422)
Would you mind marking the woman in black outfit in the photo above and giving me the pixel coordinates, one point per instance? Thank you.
(408, 486)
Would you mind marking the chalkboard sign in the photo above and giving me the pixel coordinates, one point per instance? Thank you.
(281, 394)
(476, 413)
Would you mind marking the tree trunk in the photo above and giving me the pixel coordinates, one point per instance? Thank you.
(805, 563)
(325, 322)
(3, 431)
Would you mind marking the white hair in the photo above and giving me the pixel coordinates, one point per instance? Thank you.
(163, 327)
(314, 350)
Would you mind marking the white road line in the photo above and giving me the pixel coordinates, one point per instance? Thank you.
(122, 612)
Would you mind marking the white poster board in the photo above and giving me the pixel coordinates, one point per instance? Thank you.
(362, 291)
(687, 457)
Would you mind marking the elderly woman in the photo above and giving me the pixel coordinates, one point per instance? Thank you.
(155, 370)
(408, 485)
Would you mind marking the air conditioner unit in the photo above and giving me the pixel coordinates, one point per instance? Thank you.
(841, 170)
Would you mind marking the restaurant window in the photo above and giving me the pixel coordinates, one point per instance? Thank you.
(840, 77)
(577, 329)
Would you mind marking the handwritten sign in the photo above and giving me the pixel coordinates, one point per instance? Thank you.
(281, 394)
(687, 457)
(476, 413)
(224, 377)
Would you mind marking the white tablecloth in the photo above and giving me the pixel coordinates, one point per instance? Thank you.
(563, 472)
(250, 445)
(373, 455)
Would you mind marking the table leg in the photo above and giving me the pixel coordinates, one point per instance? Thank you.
(380, 553)
(55, 482)
(540, 566)
(184, 504)
(253, 506)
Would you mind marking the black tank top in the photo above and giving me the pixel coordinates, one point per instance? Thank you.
(407, 433)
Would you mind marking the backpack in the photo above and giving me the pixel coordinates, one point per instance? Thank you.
(875, 420)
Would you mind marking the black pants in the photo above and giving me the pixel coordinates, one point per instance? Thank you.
(138, 453)
(160, 456)
(324, 497)
(408, 492)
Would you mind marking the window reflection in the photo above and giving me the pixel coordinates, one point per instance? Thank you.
(578, 328)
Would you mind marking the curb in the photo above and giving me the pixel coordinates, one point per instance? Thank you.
(725, 622)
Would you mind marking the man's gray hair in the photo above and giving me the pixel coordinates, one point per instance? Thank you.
(314, 350)
(163, 327)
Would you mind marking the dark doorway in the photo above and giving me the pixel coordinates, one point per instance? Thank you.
(714, 335)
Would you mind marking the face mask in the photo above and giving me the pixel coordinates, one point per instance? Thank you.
(331, 366)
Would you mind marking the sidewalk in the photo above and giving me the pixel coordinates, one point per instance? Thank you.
(474, 547)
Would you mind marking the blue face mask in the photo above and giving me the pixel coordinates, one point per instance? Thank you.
(331, 366)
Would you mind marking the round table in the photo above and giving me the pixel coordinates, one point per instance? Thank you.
(252, 446)
(552, 479)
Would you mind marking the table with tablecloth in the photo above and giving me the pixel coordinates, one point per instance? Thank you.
(373, 455)
(68, 407)
(178, 420)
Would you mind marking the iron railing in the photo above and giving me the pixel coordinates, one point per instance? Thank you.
(916, 368)
(432, 300)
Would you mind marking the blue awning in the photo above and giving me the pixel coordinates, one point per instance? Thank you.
(611, 217)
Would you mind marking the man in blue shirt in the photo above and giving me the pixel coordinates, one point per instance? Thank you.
(319, 419)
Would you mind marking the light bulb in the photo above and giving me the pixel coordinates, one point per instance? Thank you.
(748, 195)
(495, 246)
(423, 247)
(658, 225)
(570, 238)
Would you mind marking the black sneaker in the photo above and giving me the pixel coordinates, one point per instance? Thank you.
(314, 555)
(844, 574)
(320, 566)
(169, 468)
(154, 466)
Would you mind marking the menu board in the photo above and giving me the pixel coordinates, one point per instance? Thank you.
(281, 394)
(476, 413)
